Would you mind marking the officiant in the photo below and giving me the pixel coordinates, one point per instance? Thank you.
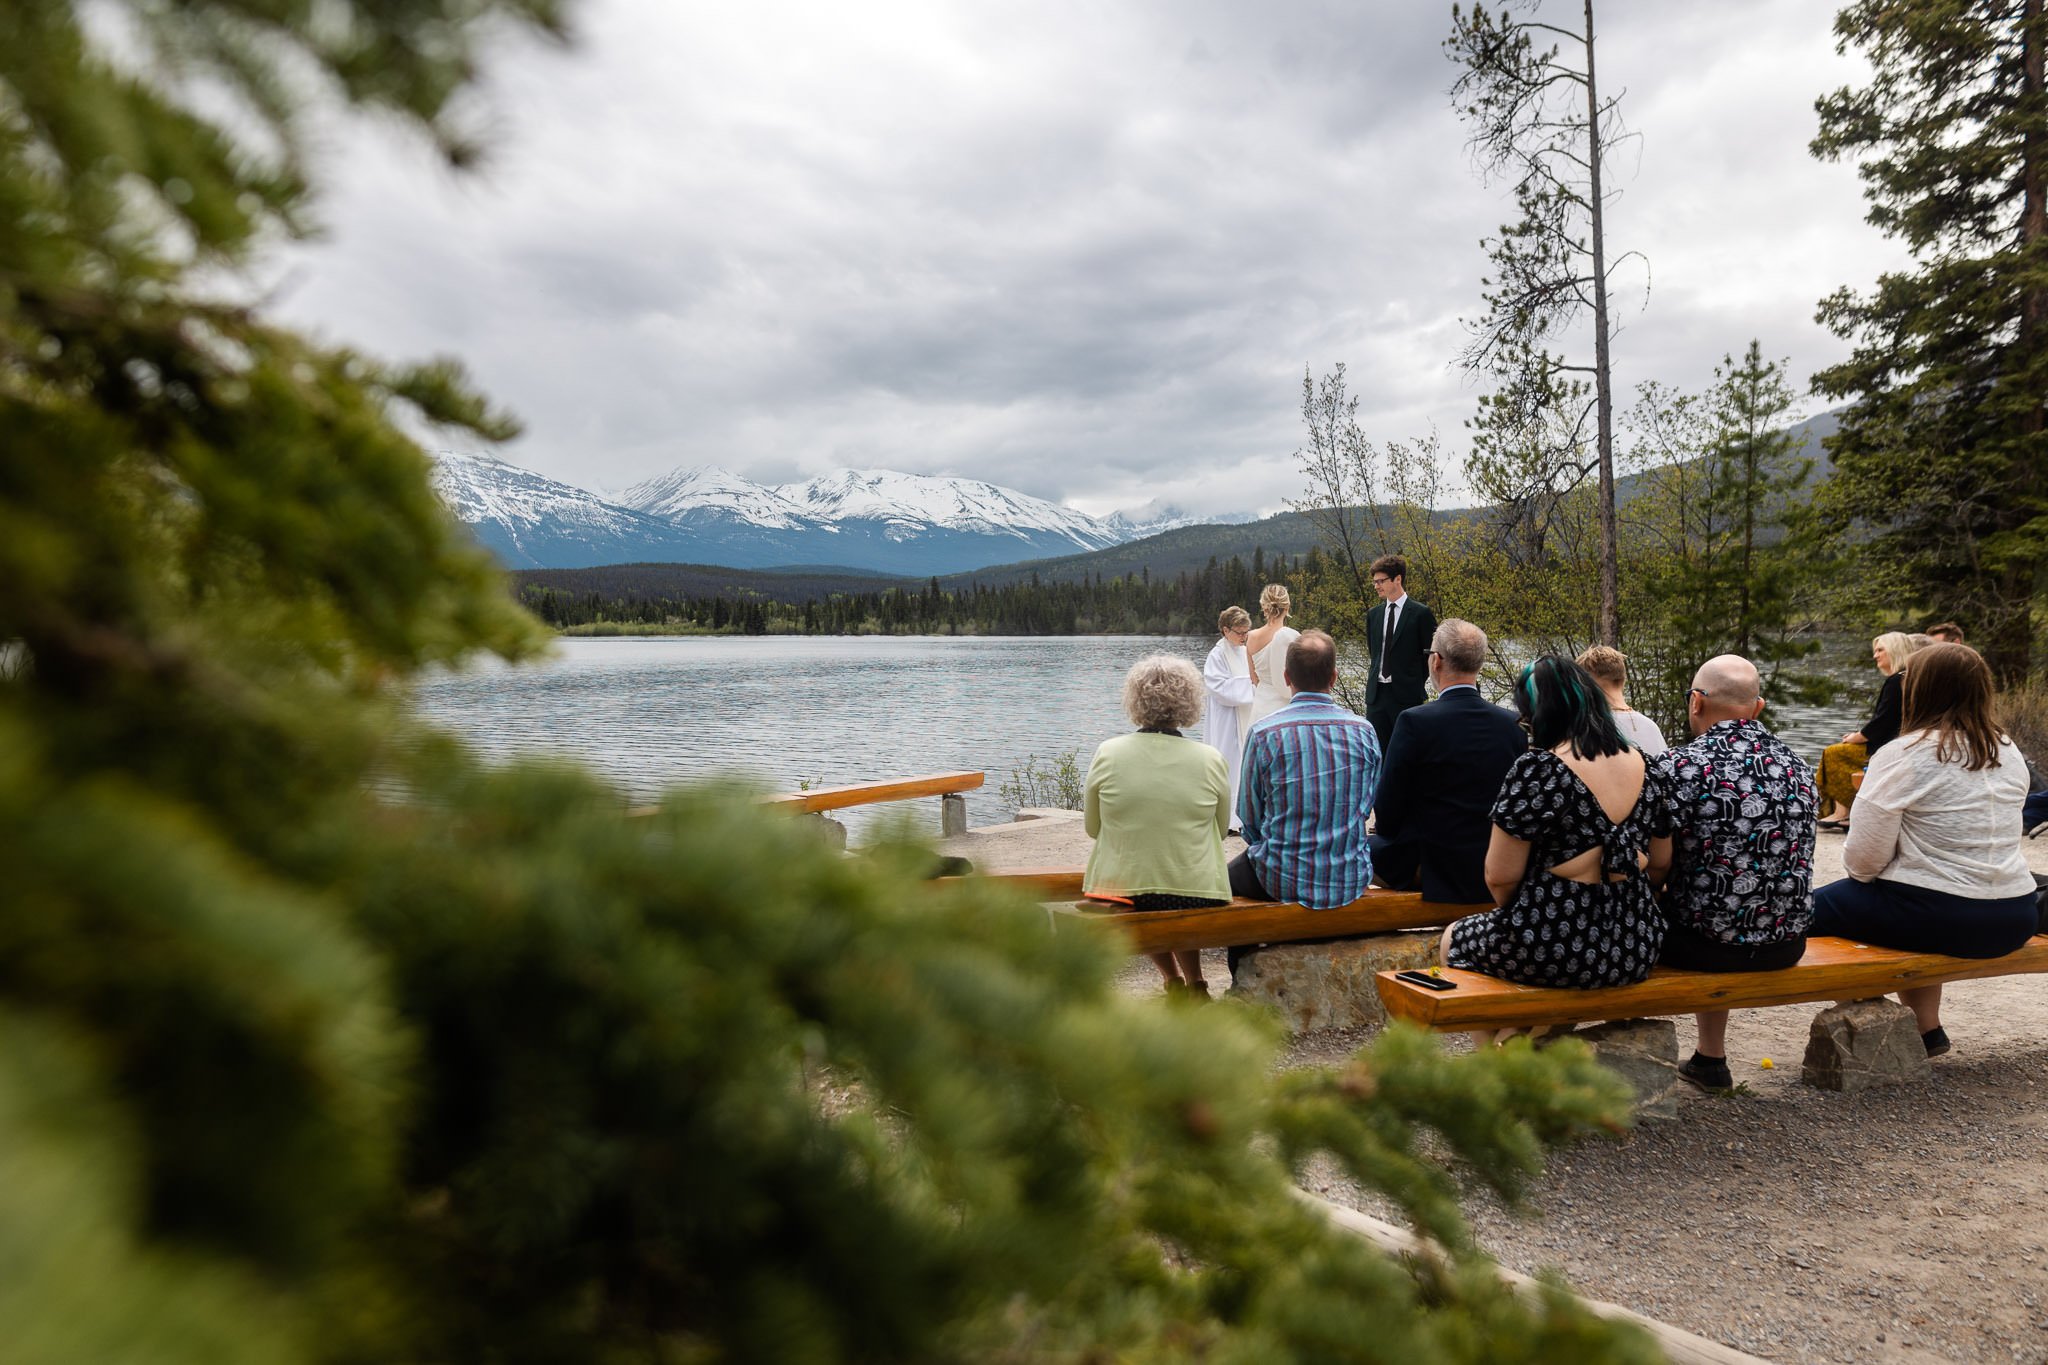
(1229, 687)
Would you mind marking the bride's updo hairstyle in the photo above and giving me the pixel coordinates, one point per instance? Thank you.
(1275, 602)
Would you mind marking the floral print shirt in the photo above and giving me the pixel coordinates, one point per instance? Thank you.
(1742, 835)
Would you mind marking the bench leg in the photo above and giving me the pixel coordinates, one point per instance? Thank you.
(1862, 1044)
(952, 816)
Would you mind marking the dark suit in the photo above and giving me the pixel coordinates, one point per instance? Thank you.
(1405, 661)
(1435, 802)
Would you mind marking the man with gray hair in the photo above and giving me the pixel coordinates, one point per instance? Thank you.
(1739, 897)
(1445, 762)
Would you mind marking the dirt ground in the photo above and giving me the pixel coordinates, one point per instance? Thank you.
(1903, 1224)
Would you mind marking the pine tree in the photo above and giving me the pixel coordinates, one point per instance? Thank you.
(1942, 458)
(321, 1041)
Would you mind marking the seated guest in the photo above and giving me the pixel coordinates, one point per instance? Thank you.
(1444, 767)
(1742, 832)
(1156, 806)
(1609, 667)
(1933, 856)
(1581, 834)
(1309, 773)
(1839, 763)
(1948, 632)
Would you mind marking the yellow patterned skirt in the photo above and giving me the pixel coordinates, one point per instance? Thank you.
(1839, 764)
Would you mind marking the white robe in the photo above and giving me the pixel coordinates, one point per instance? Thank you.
(1227, 709)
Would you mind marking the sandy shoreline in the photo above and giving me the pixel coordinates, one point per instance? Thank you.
(1906, 1224)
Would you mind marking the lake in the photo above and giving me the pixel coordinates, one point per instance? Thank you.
(788, 710)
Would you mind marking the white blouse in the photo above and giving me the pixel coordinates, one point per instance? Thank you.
(1938, 825)
(1639, 730)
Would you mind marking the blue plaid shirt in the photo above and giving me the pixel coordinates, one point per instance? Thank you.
(1310, 770)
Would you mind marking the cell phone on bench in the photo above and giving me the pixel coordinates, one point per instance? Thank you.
(1435, 983)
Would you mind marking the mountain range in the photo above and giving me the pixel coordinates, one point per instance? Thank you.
(873, 520)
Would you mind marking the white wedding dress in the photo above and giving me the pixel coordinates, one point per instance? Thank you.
(1272, 663)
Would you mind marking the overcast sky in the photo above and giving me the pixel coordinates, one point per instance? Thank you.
(1081, 250)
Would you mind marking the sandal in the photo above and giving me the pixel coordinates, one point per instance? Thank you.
(1831, 824)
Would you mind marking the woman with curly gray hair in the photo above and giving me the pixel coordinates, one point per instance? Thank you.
(1156, 805)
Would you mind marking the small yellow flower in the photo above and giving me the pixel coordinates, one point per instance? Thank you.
(1766, 1064)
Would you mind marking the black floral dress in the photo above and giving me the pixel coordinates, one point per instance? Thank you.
(1557, 932)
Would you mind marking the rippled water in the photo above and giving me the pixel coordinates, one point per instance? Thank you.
(786, 710)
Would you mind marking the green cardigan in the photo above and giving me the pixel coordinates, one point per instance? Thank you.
(1157, 806)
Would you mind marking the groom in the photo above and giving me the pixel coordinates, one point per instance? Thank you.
(1397, 637)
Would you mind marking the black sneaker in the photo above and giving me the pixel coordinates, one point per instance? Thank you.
(1708, 1073)
(1936, 1040)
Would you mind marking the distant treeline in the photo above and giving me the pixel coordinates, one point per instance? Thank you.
(647, 597)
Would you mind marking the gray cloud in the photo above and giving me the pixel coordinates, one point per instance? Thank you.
(1083, 253)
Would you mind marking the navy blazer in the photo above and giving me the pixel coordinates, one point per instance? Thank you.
(1444, 766)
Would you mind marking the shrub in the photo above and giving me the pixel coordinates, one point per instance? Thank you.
(1059, 782)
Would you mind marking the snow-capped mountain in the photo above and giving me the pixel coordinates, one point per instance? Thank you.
(711, 489)
(532, 522)
(868, 519)
(910, 505)
(1135, 523)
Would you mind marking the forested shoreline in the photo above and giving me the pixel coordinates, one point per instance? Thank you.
(1132, 604)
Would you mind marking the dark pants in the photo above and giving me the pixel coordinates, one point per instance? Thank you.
(1244, 879)
(1244, 882)
(1687, 949)
(1916, 920)
(1396, 866)
(1382, 713)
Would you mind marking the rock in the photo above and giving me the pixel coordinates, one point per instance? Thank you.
(1328, 984)
(831, 831)
(1864, 1043)
(1643, 1052)
(1044, 813)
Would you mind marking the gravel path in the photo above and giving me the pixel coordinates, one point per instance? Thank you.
(1906, 1224)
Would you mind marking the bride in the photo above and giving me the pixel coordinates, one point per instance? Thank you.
(1267, 649)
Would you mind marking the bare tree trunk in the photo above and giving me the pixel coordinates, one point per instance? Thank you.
(1603, 391)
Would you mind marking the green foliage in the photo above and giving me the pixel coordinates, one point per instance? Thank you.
(1723, 552)
(1719, 553)
(1060, 782)
(1941, 463)
(320, 1042)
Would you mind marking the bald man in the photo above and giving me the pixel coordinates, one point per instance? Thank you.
(1739, 898)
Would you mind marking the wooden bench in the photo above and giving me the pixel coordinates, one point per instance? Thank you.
(1244, 922)
(819, 799)
(1832, 969)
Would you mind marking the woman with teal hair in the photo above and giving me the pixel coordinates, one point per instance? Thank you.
(1581, 838)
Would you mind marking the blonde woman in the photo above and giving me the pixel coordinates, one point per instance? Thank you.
(1840, 763)
(1267, 646)
(1156, 805)
(1230, 686)
(1609, 667)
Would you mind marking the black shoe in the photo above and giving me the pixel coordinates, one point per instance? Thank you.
(1936, 1040)
(1708, 1073)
